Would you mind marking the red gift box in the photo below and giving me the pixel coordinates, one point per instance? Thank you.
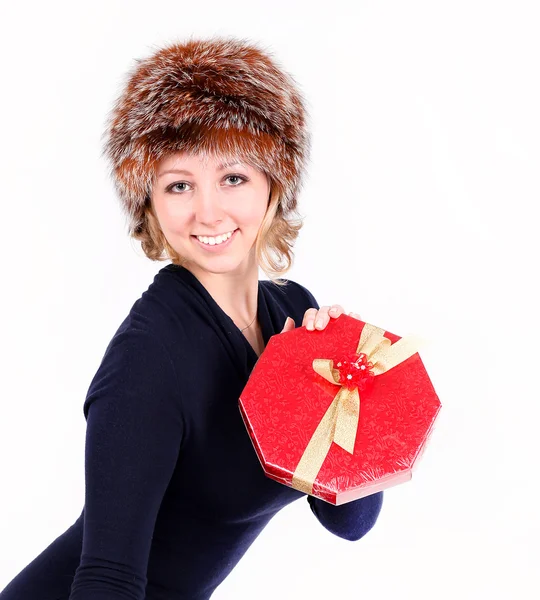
(339, 413)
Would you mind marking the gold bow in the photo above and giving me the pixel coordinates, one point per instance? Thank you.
(340, 422)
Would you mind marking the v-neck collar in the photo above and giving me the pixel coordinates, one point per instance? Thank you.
(268, 319)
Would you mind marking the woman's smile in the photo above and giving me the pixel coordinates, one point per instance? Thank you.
(216, 247)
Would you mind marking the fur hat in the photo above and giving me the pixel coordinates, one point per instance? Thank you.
(220, 96)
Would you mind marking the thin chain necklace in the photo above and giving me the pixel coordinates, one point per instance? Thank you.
(250, 323)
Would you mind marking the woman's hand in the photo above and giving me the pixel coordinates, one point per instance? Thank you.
(318, 319)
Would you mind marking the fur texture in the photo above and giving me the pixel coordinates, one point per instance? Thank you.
(220, 96)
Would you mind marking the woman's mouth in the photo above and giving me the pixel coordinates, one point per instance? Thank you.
(216, 247)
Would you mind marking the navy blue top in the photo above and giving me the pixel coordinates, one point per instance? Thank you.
(175, 493)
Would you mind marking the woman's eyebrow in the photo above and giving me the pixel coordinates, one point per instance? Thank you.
(220, 167)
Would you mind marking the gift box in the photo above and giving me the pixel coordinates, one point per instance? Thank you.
(339, 413)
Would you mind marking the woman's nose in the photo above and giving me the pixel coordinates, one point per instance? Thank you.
(207, 206)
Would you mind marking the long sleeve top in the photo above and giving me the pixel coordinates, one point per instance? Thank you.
(174, 491)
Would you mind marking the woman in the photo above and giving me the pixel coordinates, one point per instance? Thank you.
(208, 142)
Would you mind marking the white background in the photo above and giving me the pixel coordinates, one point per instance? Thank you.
(421, 212)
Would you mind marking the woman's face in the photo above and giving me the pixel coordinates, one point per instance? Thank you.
(192, 198)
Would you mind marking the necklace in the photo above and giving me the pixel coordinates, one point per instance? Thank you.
(250, 323)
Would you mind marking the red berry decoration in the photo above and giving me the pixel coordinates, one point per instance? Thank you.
(354, 371)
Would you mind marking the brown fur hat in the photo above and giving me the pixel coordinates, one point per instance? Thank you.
(220, 96)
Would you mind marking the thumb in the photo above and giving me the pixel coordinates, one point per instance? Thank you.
(289, 325)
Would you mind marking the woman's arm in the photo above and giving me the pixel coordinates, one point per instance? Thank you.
(349, 521)
(133, 437)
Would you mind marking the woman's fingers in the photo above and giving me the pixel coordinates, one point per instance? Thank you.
(318, 319)
(309, 316)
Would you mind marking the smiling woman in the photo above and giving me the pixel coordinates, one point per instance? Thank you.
(209, 177)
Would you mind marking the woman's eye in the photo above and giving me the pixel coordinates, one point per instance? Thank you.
(236, 177)
(172, 187)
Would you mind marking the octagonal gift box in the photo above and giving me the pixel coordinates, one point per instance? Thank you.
(339, 413)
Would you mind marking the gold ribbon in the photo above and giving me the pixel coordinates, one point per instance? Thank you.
(340, 422)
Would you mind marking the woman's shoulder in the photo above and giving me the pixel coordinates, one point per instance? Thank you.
(163, 306)
(156, 320)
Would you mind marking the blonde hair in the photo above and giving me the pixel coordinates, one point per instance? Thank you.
(273, 244)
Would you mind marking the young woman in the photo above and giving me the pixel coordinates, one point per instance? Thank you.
(208, 144)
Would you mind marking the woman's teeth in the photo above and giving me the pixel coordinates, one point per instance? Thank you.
(214, 241)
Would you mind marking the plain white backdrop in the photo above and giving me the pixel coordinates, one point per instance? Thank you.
(420, 210)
